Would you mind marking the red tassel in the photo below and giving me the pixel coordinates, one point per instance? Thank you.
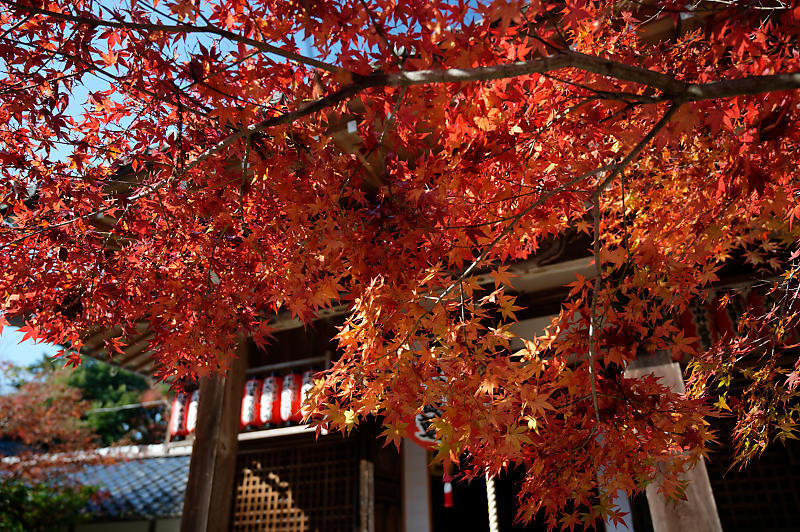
(448, 495)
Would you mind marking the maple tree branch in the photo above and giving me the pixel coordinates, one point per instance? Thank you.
(326, 101)
(164, 211)
(539, 201)
(243, 185)
(390, 118)
(634, 153)
(286, 118)
(541, 65)
(18, 88)
(15, 26)
(176, 28)
(674, 89)
(677, 91)
(692, 92)
(594, 323)
(740, 87)
(628, 97)
(210, 271)
(485, 253)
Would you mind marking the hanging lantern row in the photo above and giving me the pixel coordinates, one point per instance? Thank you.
(183, 414)
(269, 402)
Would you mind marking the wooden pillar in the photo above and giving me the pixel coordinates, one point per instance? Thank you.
(209, 489)
(366, 496)
(367, 437)
(698, 513)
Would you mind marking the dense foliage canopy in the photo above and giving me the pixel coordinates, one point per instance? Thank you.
(40, 421)
(42, 507)
(117, 406)
(118, 413)
(204, 166)
(49, 428)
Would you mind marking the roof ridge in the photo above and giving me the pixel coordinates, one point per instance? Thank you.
(156, 450)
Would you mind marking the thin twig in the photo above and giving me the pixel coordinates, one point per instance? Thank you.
(485, 253)
(593, 325)
(209, 282)
(164, 211)
(382, 34)
(245, 168)
(176, 28)
(619, 167)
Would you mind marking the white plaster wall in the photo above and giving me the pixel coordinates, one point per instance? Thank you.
(416, 489)
(115, 526)
(162, 525)
(528, 329)
(168, 525)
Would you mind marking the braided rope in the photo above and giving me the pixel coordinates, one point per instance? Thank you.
(492, 504)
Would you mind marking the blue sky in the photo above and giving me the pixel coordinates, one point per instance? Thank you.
(21, 354)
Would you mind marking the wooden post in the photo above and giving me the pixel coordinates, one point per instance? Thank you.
(366, 496)
(209, 488)
(367, 437)
(698, 513)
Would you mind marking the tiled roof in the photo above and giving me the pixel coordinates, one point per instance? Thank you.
(11, 448)
(142, 488)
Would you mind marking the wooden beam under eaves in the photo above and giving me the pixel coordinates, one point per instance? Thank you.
(135, 349)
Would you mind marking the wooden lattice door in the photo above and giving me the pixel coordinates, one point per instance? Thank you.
(297, 485)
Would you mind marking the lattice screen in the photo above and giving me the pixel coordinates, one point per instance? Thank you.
(766, 494)
(763, 496)
(298, 485)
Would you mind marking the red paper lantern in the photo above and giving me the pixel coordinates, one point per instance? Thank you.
(191, 413)
(250, 399)
(421, 430)
(290, 397)
(270, 402)
(177, 416)
(305, 387)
